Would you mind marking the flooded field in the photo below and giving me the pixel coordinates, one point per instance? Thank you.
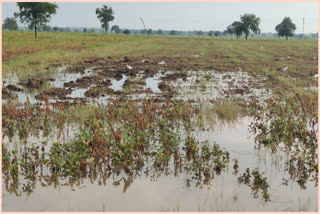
(160, 133)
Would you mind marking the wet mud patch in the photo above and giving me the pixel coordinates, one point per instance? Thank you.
(6, 94)
(33, 83)
(96, 92)
(78, 69)
(87, 81)
(58, 93)
(14, 88)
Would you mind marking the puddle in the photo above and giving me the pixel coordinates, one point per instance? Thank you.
(62, 77)
(117, 85)
(219, 85)
(77, 93)
(151, 189)
(10, 79)
(153, 83)
(149, 192)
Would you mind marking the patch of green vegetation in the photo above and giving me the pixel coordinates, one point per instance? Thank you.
(291, 122)
(267, 71)
(119, 137)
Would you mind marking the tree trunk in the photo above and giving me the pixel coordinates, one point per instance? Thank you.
(246, 37)
(105, 31)
(286, 37)
(35, 31)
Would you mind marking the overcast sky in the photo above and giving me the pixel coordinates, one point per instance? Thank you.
(182, 16)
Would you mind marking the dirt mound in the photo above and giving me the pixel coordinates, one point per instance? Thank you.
(60, 93)
(99, 91)
(33, 83)
(87, 81)
(126, 59)
(163, 86)
(14, 88)
(7, 94)
(76, 69)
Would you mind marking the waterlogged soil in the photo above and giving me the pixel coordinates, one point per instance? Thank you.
(148, 192)
(214, 142)
(100, 80)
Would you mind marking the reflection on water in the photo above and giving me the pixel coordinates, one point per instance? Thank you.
(172, 188)
(147, 192)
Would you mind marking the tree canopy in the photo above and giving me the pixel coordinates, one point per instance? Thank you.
(10, 24)
(286, 28)
(235, 28)
(149, 32)
(36, 14)
(105, 15)
(115, 28)
(126, 31)
(250, 23)
(173, 32)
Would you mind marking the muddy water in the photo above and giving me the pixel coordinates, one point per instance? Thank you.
(117, 85)
(170, 192)
(203, 85)
(153, 83)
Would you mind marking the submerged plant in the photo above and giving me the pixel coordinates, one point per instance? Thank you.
(258, 183)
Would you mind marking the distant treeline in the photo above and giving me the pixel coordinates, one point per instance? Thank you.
(161, 32)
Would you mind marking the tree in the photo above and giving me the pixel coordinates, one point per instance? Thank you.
(173, 32)
(235, 28)
(105, 15)
(10, 24)
(210, 33)
(149, 32)
(160, 32)
(217, 33)
(85, 30)
(199, 33)
(115, 28)
(250, 23)
(55, 28)
(286, 28)
(46, 28)
(224, 33)
(36, 14)
(126, 31)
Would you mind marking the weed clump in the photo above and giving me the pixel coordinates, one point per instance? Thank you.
(258, 183)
